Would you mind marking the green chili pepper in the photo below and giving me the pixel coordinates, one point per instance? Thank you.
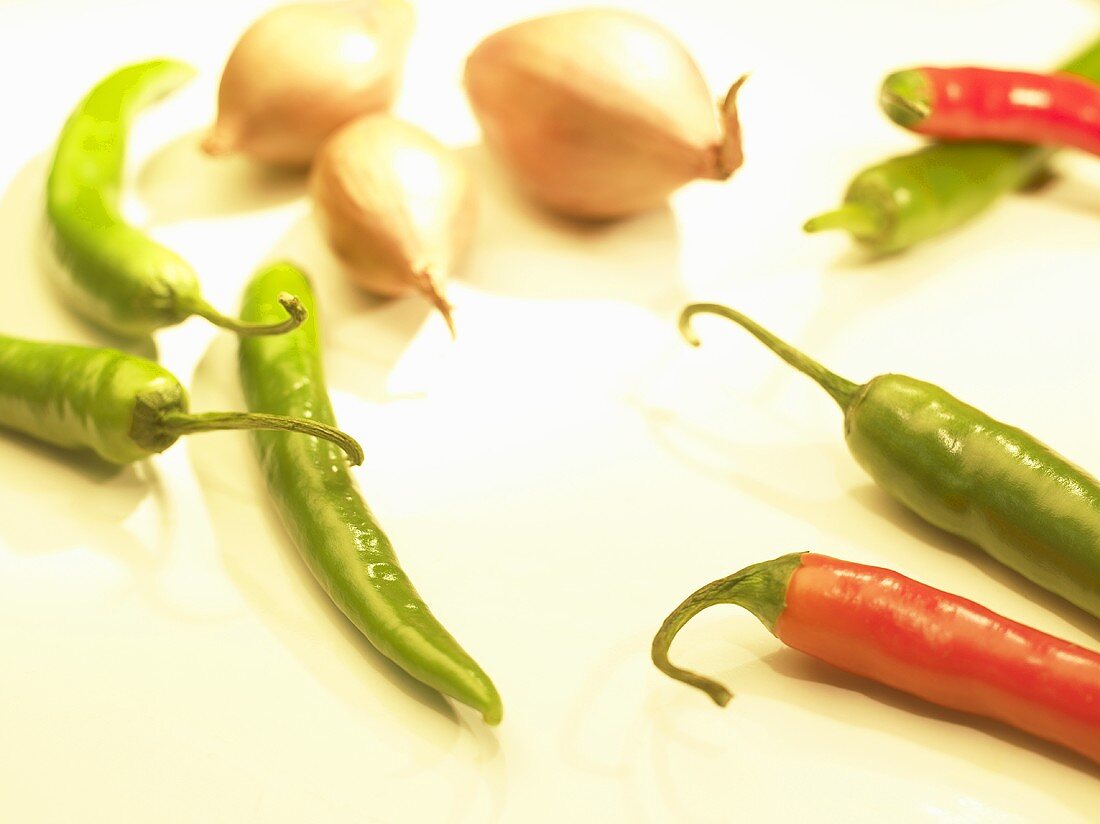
(110, 272)
(914, 197)
(331, 525)
(121, 407)
(963, 471)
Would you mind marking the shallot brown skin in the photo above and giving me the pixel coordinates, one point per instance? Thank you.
(600, 113)
(302, 71)
(396, 206)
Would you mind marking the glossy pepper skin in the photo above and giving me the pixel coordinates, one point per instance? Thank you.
(120, 407)
(77, 397)
(961, 470)
(945, 649)
(911, 198)
(320, 505)
(973, 103)
(108, 271)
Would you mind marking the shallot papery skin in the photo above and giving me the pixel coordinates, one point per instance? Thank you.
(397, 206)
(301, 71)
(600, 113)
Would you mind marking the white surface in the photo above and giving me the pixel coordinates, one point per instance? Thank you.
(556, 480)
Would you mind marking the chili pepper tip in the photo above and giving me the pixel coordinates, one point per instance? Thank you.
(493, 715)
(857, 218)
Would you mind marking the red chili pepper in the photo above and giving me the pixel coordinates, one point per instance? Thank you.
(892, 629)
(975, 104)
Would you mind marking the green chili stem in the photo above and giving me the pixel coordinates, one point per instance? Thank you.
(841, 390)
(183, 423)
(711, 594)
(858, 218)
(296, 312)
(760, 588)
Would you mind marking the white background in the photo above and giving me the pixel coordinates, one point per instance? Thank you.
(557, 479)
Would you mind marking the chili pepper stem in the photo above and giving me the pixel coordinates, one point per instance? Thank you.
(184, 423)
(760, 588)
(695, 603)
(295, 310)
(840, 389)
(854, 217)
(427, 285)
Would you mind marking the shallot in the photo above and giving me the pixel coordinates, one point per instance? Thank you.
(396, 205)
(600, 113)
(302, 71)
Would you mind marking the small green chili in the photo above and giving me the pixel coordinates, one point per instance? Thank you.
(121, 407)
(911, 198)
(321, 508)
(110, 272)
(961, 470)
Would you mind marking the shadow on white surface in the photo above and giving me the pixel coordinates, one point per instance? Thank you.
(606, 730)
(522, 250)
(181, 182)
(757, 470)
(69, 500)
(857, 280)
(836, 695)
(790, 663)
(1074, 185)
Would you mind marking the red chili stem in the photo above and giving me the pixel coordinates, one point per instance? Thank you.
(894, 630)
(760, 588)
(969, 103)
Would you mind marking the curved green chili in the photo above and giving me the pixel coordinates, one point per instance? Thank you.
(121, 407)
(961, 470)
(910, 198)
(110, 272)
(331, 525)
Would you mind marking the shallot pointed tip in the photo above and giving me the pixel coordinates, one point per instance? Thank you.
(218, 143)
(429, 287)
(728, 154)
